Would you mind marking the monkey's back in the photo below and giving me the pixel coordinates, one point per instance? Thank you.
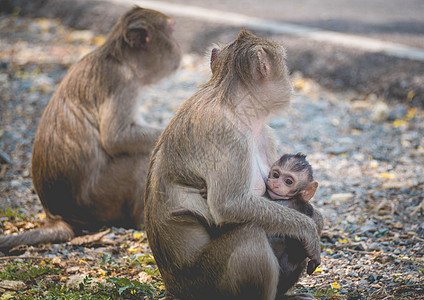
(67, 145)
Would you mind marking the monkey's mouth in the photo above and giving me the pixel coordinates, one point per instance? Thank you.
(275, 196)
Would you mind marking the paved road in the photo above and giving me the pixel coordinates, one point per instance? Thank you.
(390, 20)
(340, 66)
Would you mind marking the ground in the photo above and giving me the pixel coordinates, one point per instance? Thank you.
(367, 154)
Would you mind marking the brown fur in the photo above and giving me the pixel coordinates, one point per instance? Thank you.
(90, 157)
(216, 140)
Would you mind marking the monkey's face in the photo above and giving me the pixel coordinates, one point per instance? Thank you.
(282, 185)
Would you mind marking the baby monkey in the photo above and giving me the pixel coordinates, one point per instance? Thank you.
(291, 183)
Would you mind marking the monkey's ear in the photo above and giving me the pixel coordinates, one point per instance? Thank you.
(310, 190)
(264, 65)
(138, 37)
(214, 54)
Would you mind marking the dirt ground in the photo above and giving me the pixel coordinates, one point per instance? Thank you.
(368, 157)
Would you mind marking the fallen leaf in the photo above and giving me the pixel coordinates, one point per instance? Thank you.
(138, 235)
(399, 123)
(410, 96)
(335, 285)
(411, 113)
(387, 175)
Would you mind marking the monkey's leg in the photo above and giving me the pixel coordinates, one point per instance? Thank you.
(239, 264)
(116, 193)
(292, 260)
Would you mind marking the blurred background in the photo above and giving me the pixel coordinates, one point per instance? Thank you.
(337, 61)
(357, 68)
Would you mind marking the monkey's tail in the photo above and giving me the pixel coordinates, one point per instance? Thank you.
(56, 231)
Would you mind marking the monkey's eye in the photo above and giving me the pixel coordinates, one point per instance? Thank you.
(288, 181)
(275, 175)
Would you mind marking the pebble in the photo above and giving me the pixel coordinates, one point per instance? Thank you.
(380, 112)
(373, 247)
(4, 158)
(342, 197)
(15, 285)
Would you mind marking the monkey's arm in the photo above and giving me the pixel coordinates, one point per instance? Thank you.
(318, 219)
(231, 201)
(119, 132)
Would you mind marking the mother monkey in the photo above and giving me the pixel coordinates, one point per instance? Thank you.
(218, 248)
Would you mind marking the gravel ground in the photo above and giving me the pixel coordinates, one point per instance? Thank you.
(367, 155)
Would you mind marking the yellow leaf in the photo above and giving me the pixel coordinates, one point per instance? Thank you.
(335, 285)
(81, 261)
(387, 175)
(329, 251)
(102, 272)
(41, 216)
(299, 84)
(411, 113)
(133, 250)
(138, 235)
(99, 40)
(7, 295)
(42, 262)
(399, 123)
(318, 270)
(410, 95)
(356, 132)
(342, 241)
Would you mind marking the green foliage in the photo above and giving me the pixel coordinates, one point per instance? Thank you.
(132, 289)
(42, 286)
(26, 271)
(326, 293)
(12, 214)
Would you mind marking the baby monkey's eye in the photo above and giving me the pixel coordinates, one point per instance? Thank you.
(289, 181)
(275, 175)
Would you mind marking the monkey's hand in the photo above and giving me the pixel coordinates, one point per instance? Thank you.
(313, 249)
(204, 193)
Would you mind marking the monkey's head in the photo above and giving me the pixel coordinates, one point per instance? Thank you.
(146, 36)
(291, 176)
(255, 65)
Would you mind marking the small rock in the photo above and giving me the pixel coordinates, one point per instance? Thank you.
(74, 282)
(337, 150)
(342, 197)
(374, 247)
(81, 35)
(393, 185)
(72, 270)
(384, 259)
(15, 285)
(15, 183)
(397, 113)
(380, 112)
(4, 158)
(359, 247)
(371, 278)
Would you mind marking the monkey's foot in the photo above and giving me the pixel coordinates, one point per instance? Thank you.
(303, 296)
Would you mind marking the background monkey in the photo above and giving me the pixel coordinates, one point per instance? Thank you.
(90, 157)
(218, 139)
(291, 183)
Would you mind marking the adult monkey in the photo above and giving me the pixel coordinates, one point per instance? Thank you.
(90, 157)
(218, 248)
